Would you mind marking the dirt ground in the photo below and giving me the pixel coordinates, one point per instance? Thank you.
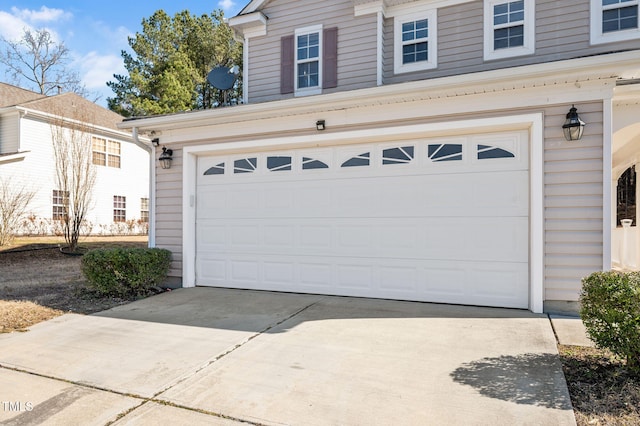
(34, 270)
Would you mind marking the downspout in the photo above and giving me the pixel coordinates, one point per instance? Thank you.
(152, 188)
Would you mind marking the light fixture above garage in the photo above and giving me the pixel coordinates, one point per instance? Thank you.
(573, 127)
(166, 157)
(320, 125)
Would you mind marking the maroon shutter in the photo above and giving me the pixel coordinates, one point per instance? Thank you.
(330, 58)
(287, 59)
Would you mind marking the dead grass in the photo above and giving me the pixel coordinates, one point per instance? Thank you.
(38, 282)
(19, 315)
(603, 391)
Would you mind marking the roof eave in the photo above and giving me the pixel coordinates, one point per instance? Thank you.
(616, 65)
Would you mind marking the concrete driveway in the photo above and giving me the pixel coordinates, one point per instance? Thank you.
(227, 357)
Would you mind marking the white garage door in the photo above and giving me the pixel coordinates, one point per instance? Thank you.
(438, 219)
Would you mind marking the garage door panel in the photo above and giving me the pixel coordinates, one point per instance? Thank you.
(488, 239)
(422, 280)
(474, 194)
(448, 222)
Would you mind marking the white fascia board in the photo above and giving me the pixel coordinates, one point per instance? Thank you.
(103, 131)
(578, 72)
(252, 7)
(250, 25)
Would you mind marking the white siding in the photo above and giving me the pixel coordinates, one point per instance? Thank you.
(37, 171)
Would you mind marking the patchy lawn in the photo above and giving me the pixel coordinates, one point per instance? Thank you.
(38, 282)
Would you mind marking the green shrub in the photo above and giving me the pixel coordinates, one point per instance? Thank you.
(610, 310)
(125, 271)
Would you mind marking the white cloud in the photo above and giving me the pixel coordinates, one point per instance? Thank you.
(226, 4)
(13, 24)
(45, 14)
(96, 69)
(12, 27)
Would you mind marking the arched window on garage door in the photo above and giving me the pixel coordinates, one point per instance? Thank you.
(626, 196)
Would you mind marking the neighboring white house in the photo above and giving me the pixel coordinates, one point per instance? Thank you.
(411, 150)
(120, 201)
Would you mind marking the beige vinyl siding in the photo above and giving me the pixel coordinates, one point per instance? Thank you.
(572, 198)
(356, 45)
(573, 202)
(168, 214)
(562, 32)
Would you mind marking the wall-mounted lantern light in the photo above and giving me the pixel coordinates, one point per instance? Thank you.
(166, 158)
(320, 125)
(573, 127)
(155, 141)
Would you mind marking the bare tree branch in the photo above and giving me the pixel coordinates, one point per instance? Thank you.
(14, 202)
(42, 62)
(75, 174)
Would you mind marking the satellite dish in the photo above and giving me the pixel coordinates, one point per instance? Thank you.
(223, 78)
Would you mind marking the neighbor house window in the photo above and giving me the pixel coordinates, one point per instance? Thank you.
(144, 209)
(308, 54)
(60, 203)
(626, 196)
(509, 28)
(119, 208)
(614, 20)
(106, 152)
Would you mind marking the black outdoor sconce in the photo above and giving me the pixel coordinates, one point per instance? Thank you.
(320, 125)
(573, 127)
(166, 157)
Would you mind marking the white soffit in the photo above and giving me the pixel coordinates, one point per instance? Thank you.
(250, 25)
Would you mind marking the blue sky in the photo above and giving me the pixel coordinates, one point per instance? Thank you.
(95, 32)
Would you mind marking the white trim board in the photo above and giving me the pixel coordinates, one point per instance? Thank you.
(532, 122)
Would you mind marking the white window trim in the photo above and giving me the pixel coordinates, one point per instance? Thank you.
(306, 91)
(432, 59)
(528, 47)
(598, 37)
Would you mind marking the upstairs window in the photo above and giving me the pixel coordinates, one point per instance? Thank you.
(509, 28)
(614, 20)
(309, 61)
(105, 152)
(415, 42)
(308, 50)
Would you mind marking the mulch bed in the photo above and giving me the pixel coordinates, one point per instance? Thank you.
(603, 391)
